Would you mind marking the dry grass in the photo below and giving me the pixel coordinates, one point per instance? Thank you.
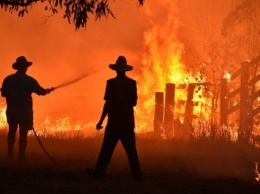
(200, 166)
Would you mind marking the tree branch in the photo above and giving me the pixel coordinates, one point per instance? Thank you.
(19, 3)
(76, 9)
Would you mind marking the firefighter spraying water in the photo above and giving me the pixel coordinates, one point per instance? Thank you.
(17, 88)
(74, 80)
(55, 88)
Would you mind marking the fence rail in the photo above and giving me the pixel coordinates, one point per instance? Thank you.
(165, 102)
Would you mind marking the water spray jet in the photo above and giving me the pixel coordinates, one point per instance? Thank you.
(76, 79)
(54, 88)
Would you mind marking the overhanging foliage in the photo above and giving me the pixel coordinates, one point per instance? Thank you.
(74, 10)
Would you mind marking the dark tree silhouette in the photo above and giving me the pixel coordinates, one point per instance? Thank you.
(76, 10)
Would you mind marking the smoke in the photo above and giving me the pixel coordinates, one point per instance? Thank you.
(201, 27)
(58, 52)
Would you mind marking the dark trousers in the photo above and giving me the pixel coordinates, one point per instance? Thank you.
(23, 130)
(111, 138)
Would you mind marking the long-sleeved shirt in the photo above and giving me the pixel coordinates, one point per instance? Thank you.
(121, 95)
(17, 89)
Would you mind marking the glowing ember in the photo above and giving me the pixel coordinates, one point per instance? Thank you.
(256, 174)
(227, 76)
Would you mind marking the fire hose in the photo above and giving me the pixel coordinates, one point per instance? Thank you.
(52, 89)
(43, 148)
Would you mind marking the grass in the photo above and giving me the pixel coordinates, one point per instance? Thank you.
(174, 167)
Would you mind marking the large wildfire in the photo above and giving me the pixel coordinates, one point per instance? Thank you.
(161, 63)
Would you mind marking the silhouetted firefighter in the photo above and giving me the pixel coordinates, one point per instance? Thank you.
(17, 89)
(120, 98)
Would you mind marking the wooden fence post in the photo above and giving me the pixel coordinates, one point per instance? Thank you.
(244, 133)
(223, 102)
(158, 113)
(189, 108)
(169, 110)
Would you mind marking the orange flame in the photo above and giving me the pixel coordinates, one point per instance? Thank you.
(227, 76)
(161, 64)
(66, 128)
(3, 122)
(63, 127)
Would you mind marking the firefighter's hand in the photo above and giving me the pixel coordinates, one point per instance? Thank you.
(49, 90)
(99, 126)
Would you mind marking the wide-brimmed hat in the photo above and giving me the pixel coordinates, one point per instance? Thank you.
(21, 63)
(121, 65)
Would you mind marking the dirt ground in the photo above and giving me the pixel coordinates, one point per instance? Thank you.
(168, 166)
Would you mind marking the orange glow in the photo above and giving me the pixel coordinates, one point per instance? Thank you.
(3, 122)
(227, 76)
(161, 64)
(154, 42)
(79, 106)
(66, 128)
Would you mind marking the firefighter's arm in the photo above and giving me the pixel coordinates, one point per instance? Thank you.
(103, 115)
(3, 90)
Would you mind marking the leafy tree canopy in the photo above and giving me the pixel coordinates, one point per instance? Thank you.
(76, 10)
(246, 11)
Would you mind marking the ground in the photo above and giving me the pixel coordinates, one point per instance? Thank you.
(174, 167)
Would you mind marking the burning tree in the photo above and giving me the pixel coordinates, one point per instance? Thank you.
(241, 33)
(164, 61)
(76, 10)
(163, 64)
